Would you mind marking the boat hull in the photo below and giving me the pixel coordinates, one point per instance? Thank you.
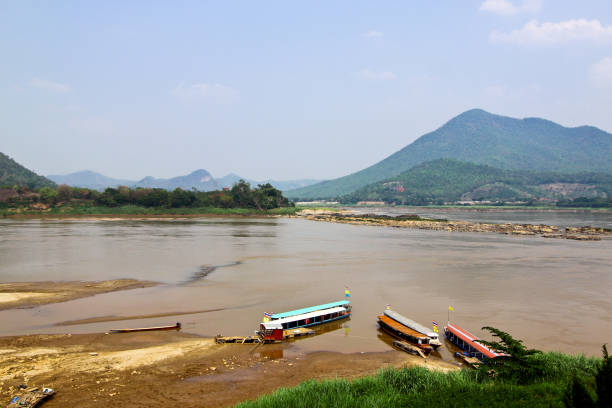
(403, 336)
(144, 329)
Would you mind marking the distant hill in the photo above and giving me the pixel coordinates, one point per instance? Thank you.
(283, 185)
(89, 179)
(201, 180)
(13, 173)
(97, 181)
(448, 180)
(484, 138)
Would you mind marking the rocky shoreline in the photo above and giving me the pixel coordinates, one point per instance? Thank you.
(416, 222)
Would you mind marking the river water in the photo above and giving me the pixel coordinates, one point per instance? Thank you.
(554, 294)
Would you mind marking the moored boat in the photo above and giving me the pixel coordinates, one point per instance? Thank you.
(306, 317)
(469, 343)
(177, 327)
(434, 339)
(402, 332)
(342, 303)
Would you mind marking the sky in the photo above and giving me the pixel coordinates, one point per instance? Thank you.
(283, 90)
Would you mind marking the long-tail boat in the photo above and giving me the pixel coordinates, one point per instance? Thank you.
(434, 339)
(306, 317)
(402, 332)
(176, 327)
(469, 343)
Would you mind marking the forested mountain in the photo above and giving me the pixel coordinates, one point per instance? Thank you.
(449, 180)
(484, 138)
(13, 173)
(89, 179)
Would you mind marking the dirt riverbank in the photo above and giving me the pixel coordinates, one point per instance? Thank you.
(161, 369)
(30, 294)
(414, 222)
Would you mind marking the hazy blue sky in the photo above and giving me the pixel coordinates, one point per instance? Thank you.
(283, 89)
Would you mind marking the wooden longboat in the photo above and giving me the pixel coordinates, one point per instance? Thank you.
(405, 333)
(434, 340)
(176, 327)
(469, 343)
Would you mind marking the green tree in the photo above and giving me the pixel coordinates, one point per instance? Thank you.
(603, 380)
(64, 193)
(157, 197)
(181, 198)
(48, 195)
(517, 364)
(577, 395)
(241, 194)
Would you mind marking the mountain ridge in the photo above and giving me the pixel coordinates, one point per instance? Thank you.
(12, 173)
(485, 138)
(97, 181)
(89, 179)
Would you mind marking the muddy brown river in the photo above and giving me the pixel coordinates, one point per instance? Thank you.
(554, 294)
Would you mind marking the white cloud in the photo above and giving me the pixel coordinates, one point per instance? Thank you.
(376, 75)
(215, 93)
(373, 34)
(49, 85)
(601, 73)
(507, 8)
(575, 30)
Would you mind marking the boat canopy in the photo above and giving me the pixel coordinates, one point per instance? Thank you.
(309, 309)
(410, 323)
(310, 315)
(272, 326)
(472, 340)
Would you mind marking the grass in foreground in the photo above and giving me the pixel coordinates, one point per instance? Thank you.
(420, 387)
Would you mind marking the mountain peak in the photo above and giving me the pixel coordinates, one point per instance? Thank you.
(485, 138)
(199, 172)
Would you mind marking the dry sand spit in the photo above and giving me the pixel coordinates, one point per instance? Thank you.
(30, 294)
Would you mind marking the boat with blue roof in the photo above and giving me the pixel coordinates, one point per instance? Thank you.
(271, 329)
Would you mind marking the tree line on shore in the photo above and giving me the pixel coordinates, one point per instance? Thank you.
(241, 195)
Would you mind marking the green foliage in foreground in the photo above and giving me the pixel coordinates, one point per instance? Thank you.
(562, 381)
(415, 386)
